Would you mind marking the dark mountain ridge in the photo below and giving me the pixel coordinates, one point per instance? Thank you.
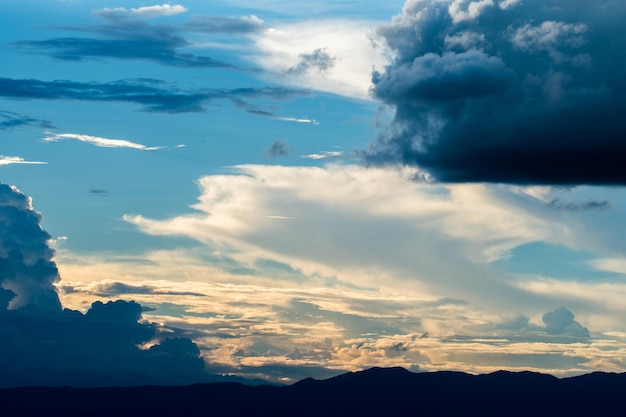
(373, 392)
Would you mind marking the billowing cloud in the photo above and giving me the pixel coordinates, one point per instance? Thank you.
(44, 344)
(98, 141)
(561, 322)
(10, 160)
(356, 212)
(151, 94)
(524, 92)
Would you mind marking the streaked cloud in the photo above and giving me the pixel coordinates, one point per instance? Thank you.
(10, 120)
(144, 11)
(219, 24)
(323, 155)
(98, 141)
(10, 160)
(153, 95)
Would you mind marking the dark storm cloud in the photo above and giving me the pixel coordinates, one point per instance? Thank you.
(9, 120)
(124, 37)
(152, 95)
(319, 59)
(217, 24)
(43, 344)
(526, 92)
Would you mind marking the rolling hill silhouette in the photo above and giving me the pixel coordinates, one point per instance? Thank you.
(374, 392)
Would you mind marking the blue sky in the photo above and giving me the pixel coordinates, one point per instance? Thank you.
(303, 190)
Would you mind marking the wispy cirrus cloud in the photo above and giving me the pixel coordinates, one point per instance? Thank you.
(323, 155)
(219, 24)
(9, 120)
(11, 160)
(99, 141)
(124, 36)
(144, 11)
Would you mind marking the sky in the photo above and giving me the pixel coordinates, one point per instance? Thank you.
(280, 190)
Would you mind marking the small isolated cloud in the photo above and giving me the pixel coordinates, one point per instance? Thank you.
(279, 148)
(561, 322)
(319, 60)
(230, 25)
(98, 141)
(324, 155)
(10, 160)
(99, 191)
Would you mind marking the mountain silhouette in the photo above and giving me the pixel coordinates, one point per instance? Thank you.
(373, 392)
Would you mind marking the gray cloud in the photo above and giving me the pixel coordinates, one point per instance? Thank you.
(43, 344)
(26, 265)
(319, 60)
(99, 191)
(230, 25)
(9, 120)
(123, 37)
(530, 92)
(118, 288)
(152, 95)
(590, 204)
(561, 322)
(279, 148)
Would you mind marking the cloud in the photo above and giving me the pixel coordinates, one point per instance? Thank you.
(335, 56)
(318, 60)
(230, 25)
(526, 92)
(44, 344)
(9, 120)
(98, 141)
(125, 37)
(152, 95)
(10, 160)
(145, 11)
(323, 155)
(26, 264)
(356, 211)
(589, 204)
(279, 148)
(99, 191)
(561, 322)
